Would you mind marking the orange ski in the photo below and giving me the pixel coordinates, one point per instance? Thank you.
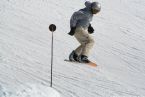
(90, 63)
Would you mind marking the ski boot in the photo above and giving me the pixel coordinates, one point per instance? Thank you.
(73, 56)
(83, 59)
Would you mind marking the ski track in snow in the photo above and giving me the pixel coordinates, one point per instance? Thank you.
(119, 50)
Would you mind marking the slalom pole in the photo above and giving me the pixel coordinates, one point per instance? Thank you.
(52, 28)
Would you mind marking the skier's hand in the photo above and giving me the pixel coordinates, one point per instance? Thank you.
(90, 29)
(72, 31)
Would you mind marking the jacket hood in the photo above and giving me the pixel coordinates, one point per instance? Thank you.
(87, 9)
(88, 4)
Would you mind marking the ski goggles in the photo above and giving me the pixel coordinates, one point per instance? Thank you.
(94, 11)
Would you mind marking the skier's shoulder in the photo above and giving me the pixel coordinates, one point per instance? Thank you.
(78, 13)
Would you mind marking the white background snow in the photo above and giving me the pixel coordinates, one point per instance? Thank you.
(25, 49)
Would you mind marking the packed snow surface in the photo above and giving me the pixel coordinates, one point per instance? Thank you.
(25, 49)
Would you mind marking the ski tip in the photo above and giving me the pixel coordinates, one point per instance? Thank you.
(92, 64)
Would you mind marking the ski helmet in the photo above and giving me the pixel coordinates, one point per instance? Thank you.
(95, 7)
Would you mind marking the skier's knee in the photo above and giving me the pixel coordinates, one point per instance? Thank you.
(91, 41)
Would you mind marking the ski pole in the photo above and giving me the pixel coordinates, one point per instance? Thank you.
(52, 28)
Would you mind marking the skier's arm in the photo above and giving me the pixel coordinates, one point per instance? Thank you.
(73, 22)
(75, 18)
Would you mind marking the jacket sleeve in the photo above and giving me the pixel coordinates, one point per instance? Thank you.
(75, 18)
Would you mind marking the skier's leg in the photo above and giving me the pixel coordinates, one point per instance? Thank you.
(79, 35)
(88, 46)
(75, 53)
(78, 50)
(86, 42)
(86, 50)
(83, 38)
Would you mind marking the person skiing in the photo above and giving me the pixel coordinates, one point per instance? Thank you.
(81, 30)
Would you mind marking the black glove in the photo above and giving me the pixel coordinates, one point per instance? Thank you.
(90, 29)
(72, 31)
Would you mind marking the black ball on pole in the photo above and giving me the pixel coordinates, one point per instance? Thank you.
(52, 27)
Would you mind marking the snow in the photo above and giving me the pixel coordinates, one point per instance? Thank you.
(32, 90)
(25, 49)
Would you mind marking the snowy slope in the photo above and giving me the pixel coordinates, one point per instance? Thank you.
(119, 50)
(31, 90)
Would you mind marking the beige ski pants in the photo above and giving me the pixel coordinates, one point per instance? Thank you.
(85, 40)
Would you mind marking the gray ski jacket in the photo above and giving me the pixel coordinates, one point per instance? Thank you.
(82, 18)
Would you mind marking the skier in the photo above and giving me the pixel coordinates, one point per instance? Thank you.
(81, 29)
